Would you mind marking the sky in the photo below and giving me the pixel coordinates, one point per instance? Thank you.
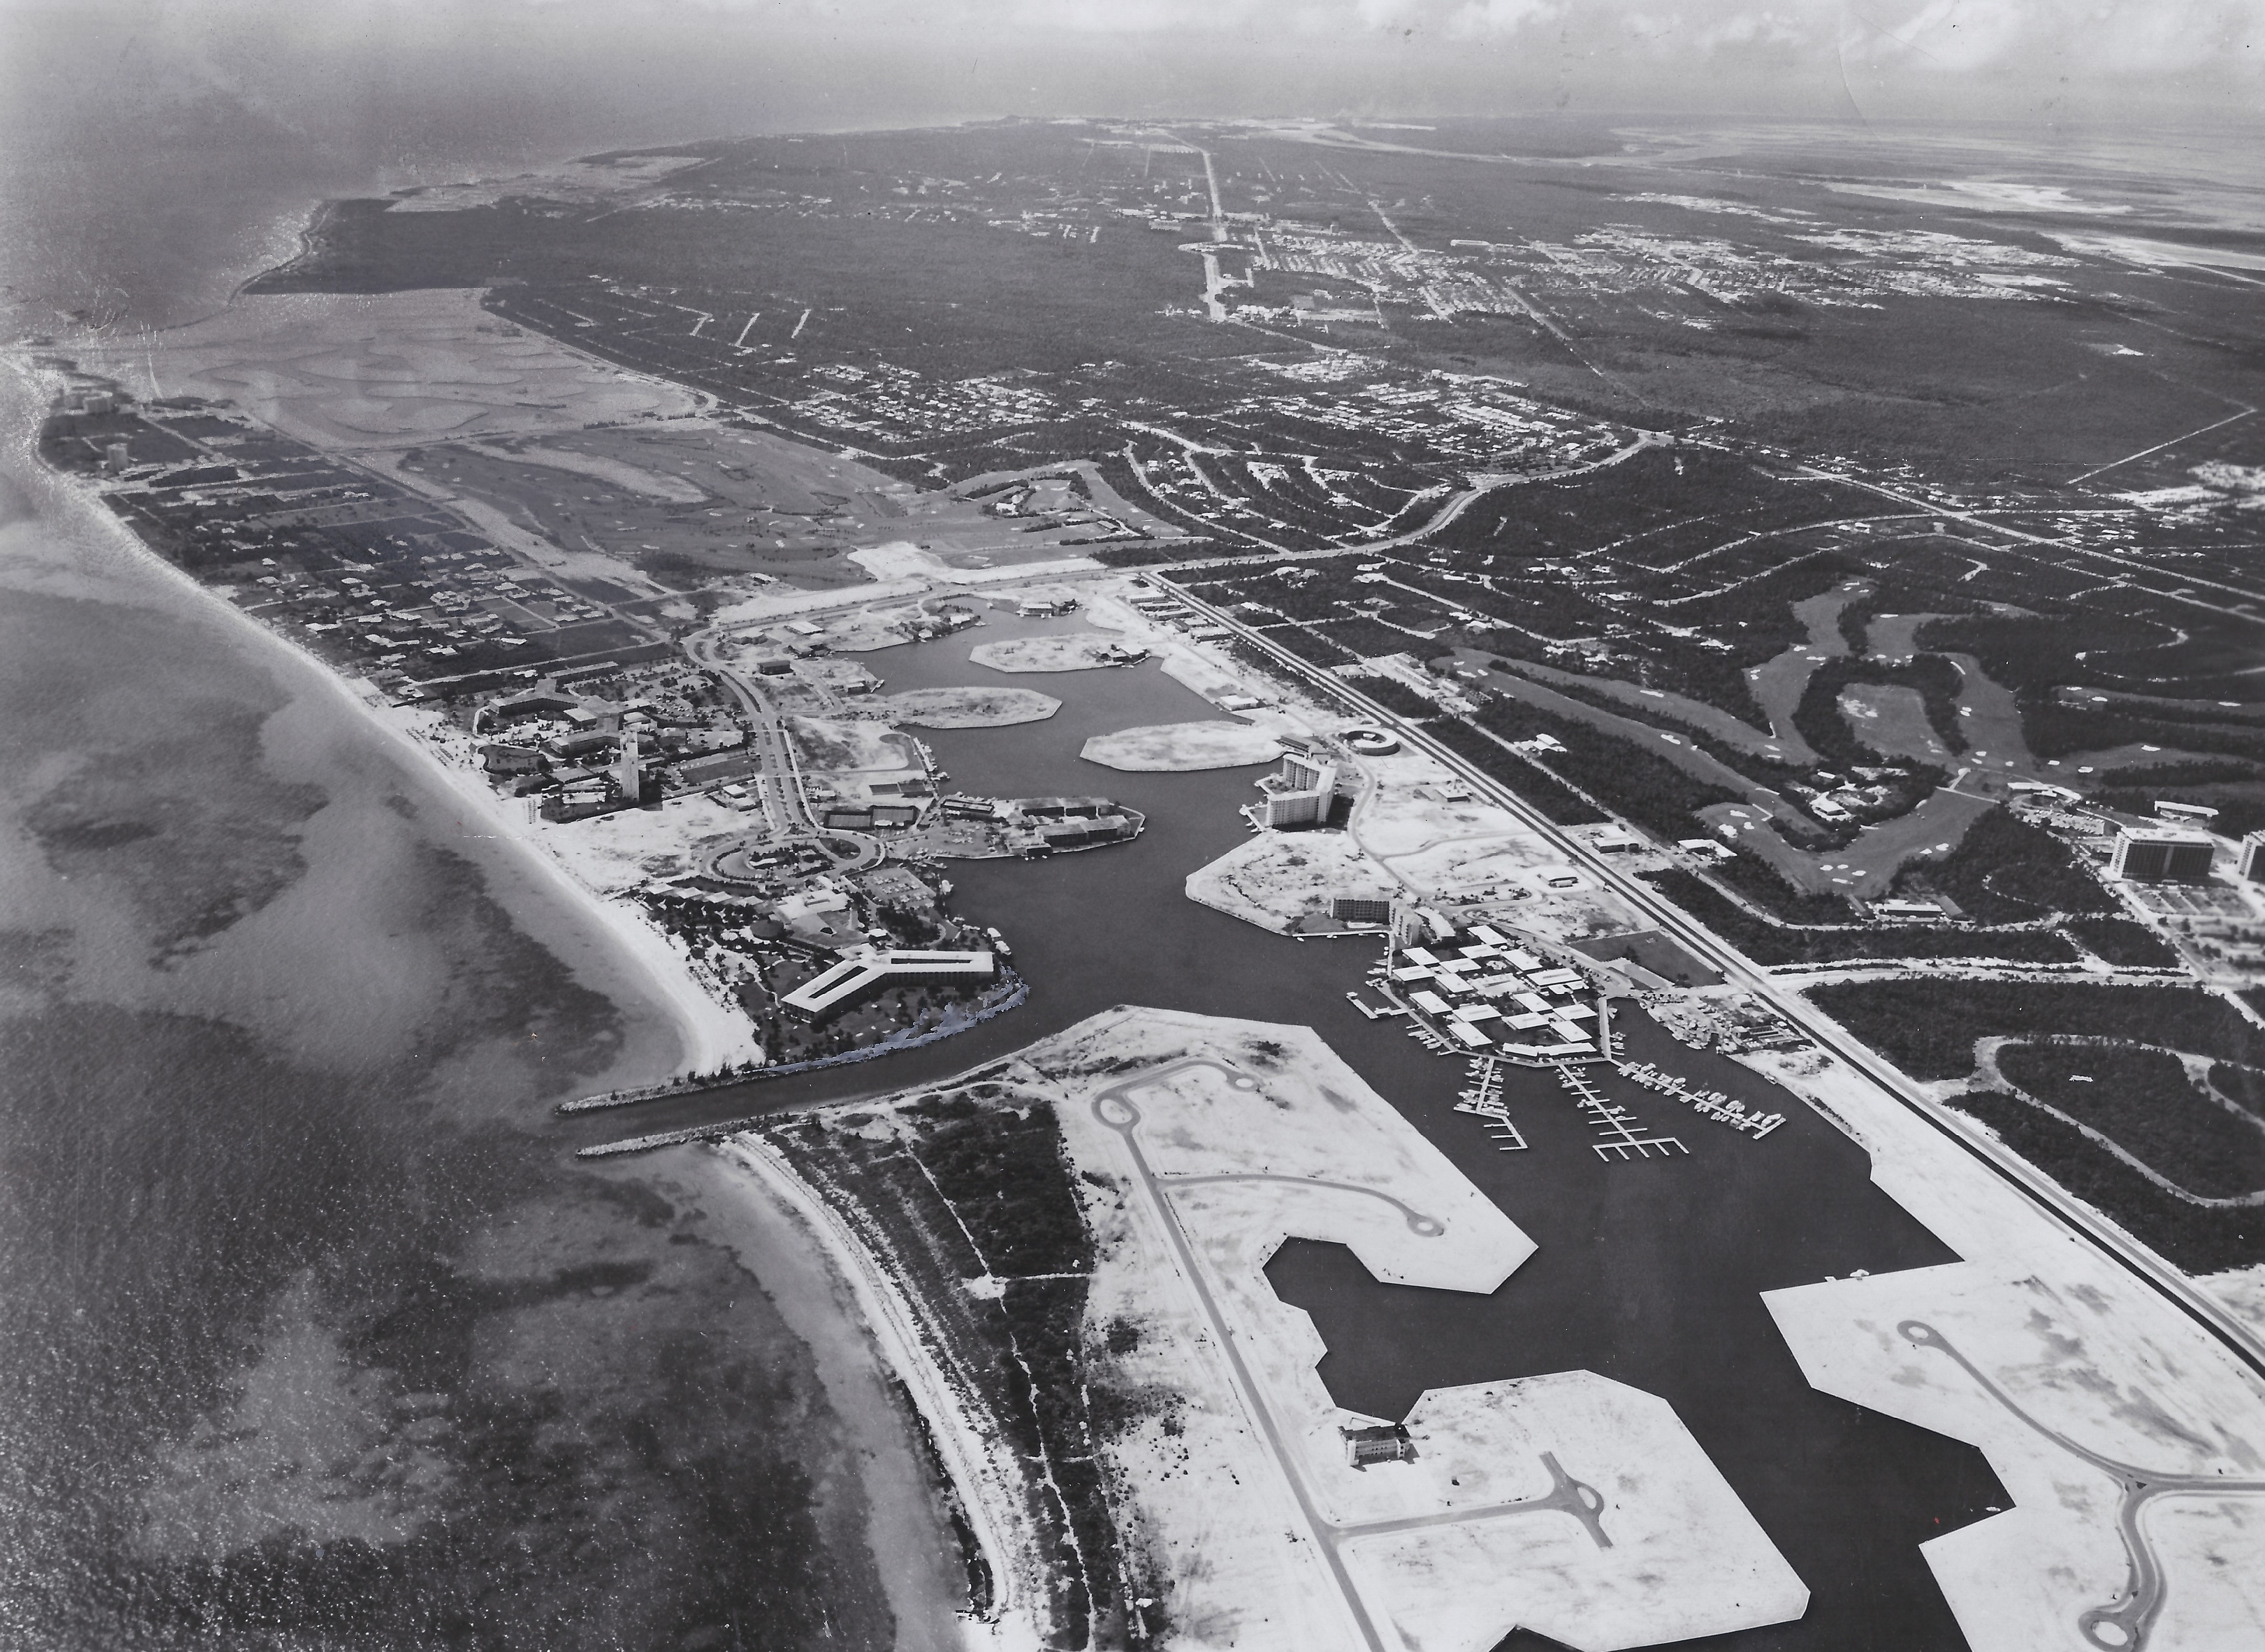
(366, 74)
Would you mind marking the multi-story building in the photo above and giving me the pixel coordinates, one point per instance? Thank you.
(2162, 855)
(2251, 864)
(1298, 794)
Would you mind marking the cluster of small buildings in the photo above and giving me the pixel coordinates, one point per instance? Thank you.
(589, 755)
(896, 404)
(1485, 995)
(1051, 825)
(1864, 264)
(942, 621)
(353, 565)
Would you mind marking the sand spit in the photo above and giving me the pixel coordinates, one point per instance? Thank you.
(992, 1507)
(908, 1530)
(970, 707)
(1180, 747)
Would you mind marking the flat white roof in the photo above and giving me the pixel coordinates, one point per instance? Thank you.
(853, 975)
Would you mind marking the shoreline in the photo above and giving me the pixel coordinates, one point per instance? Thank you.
(891, 1326)
(707, 1034)
(908, 1527)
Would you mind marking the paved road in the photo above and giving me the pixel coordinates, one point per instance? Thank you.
(2125, 1624)
(1116, 1109)
(2174, 1287)
(779, 781)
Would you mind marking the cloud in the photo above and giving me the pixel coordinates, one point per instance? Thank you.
(732, 65)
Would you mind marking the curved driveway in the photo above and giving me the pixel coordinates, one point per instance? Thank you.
(1115, 1109)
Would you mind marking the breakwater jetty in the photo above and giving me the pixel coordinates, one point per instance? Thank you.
(1008, 999)
(1010, 994)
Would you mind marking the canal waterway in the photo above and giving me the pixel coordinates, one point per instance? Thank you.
(1648, 1272)
(317, 1333)
(314, 1336)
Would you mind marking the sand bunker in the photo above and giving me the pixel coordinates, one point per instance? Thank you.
(1179, 747)
(350, 369)
(1892, 720)
(970, 707)
(1075, 650)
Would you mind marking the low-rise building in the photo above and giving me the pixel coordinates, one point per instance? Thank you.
(864, 973)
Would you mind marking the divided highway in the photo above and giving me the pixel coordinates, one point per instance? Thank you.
(2168, 1281)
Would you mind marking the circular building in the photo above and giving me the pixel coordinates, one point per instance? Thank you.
(1366, 741)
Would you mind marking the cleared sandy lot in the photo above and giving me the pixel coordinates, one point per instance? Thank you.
(1182, 746)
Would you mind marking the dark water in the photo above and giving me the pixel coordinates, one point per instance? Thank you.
(1648, 1272)
(313, 1333)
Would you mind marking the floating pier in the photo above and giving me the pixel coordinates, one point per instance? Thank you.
(1623, 1136)
(1707, 1103)
(1484, 1100)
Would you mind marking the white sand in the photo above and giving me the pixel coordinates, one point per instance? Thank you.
(1067, 650)
(907, 1527)
(1273, 1136)
(714, 1034)
(778, 602)
(969, 708)
(903, 561)
(1181, 747)
(2084, 1348)
(1277, 877)
(991, 1499)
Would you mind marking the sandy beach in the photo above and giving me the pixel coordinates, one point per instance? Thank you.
(894, 1332)
(509, 848)
(806, 1278)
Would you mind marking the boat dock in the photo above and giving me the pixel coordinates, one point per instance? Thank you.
(1623, 1136)
(1484, 1100)
(1707, 1103)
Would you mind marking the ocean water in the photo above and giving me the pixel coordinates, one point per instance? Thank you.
(315, 1334)
(312, 1332)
